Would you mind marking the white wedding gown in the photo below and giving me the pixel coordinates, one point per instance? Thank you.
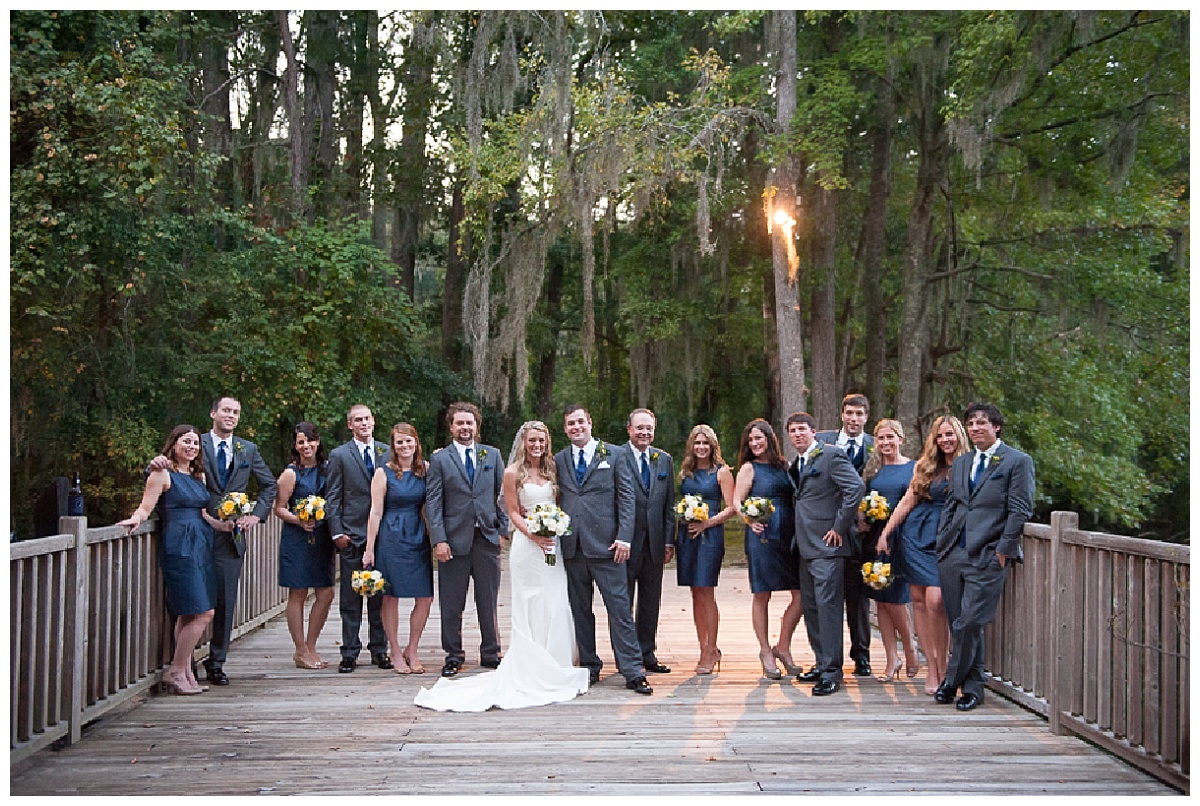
(538, 667)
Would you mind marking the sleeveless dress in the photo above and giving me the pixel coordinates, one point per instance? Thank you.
(538, 667)
(698, 559)
(402, 549)
(306, 559)
(918, 537)
(892, 483)
(774, 564)
(189, 576)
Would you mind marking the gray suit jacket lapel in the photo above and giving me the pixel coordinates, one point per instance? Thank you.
(210, 462)
(987, 471)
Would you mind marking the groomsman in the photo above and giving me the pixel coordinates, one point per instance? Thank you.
(347, 508)
(979, 537)
(597, 492)
(653, 528)
(466, 525)
(827, 494)
(231, 462)
(857, 445)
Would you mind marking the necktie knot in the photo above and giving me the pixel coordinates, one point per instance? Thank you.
(368, 461)
(580, 467)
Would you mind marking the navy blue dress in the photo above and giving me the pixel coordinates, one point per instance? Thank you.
(402, 549)
(189, 576)
(892, 483)
(918, 537)
(774, 563)
(698, 559)
(306, 559)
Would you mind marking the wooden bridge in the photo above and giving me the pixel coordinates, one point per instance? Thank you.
(281, 730)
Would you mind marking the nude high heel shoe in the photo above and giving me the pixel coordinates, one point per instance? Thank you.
(771, 671)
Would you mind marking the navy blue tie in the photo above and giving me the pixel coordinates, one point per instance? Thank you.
(645, 472)
(470, 468)
(580, 469)
(852, 450)
(367, 459)
(978, 471)
(222, 464)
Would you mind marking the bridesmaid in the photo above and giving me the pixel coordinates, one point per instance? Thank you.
(888, 472)
(700, 545)
(774, 566)
(185, 548)
(917, 517)
(306, 556)
(397, 544)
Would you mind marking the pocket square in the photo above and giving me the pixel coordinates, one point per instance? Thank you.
(604, 465)
(662, 476)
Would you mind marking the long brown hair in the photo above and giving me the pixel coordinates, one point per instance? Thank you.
(688, 466)
(197, 471)
(313, 435)
(774, 455)
(418, 460)
(876, 461)
(933, 461)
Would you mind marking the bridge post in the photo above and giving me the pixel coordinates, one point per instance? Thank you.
(1062, 640)
(75, 608)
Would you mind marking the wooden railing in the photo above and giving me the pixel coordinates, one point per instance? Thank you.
(1093, 633)
(89, 626)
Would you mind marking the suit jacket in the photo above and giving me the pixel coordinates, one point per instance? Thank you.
(827, 497)
(454, 505)
(868, 445)
(654, 507)
(994, 515)
(601, 508)
(348, 490)
(246, 463)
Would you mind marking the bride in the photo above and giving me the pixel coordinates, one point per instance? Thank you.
(538, 667)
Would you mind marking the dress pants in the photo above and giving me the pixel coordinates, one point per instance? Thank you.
(858, 604)
(971, 595)
(645, 576)
(612, 580)
(229, 571)
(350, 606)
(822, 595)
(454, 577)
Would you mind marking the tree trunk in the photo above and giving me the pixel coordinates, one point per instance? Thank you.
(793, 394)
(874, 235)
(218, 128)
(298, 146)
(457, 258)
(356, 92)
(264, 101)
(412, 164)
(826, 387)
(320, 84)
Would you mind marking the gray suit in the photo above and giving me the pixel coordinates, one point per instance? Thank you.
(858, 603)
(347, 509)
(974, 527)
(464, 513)
(827, 496)
(653, 531)
(228, 552)
(602, 510)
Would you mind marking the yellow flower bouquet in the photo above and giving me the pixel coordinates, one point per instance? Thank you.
(692, 508)
(234, 506)
(367, 583)
(878, 575)
(311, 508)
(875, 507)
(757, 510)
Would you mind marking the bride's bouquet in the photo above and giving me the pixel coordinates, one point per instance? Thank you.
(547, 520)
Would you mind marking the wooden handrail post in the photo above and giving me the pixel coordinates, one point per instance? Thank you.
(1057, 692)
(75, 609)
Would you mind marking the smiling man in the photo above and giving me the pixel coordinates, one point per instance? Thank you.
(979, 537)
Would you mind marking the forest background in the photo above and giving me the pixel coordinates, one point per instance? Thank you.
(717, 215)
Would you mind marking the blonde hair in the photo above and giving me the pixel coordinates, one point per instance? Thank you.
(932, 460)
(521, 461)
(876, 460)
(688, 466)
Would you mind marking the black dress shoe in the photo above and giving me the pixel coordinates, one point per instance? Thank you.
(382, 661)
(811, 676)
(968, 702)
(862, 668)
(347, 665)
(944, 695)
(593, 676)
(639, 685)
(658, 668)
(494, 663)
(216, 676)
(825, 687)
(451, 668)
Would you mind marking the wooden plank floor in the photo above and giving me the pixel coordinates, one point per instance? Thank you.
(281, 730)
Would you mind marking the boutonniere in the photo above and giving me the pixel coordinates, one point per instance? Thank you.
(602, 450)
(238, 446)
(380, 450)
(816, 452)
(870, 449)
(995, 460)
(653, 456)
(481, 454)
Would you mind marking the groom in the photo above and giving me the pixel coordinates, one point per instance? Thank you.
(598, 494)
